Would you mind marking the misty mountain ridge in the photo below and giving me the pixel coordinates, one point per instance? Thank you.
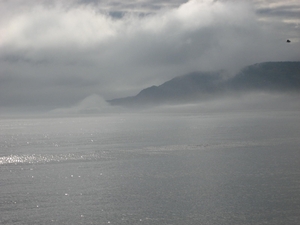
(199, 86)
(268, 76)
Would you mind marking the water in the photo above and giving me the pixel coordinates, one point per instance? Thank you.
(151, 169)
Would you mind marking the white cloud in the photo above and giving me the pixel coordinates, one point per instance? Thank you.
(44, 29)
(56, 54)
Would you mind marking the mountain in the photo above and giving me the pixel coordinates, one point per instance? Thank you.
(190, 87)
(269, 76)
(198, 86)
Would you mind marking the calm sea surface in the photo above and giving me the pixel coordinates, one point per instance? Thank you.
(157, 169)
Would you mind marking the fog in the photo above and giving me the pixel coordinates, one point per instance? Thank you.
(247, 103)
(93, 104)
(55, 54)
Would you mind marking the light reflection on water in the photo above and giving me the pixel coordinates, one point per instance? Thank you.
(157, 169)
(38, 158)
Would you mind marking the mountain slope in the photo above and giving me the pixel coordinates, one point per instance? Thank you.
(269, 76)
(190, 87)
(197, 86)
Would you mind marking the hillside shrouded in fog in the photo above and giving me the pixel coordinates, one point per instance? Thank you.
(276, 77)
(55, 54)
(150, 112)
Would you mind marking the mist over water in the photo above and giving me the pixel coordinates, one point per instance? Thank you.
(152, 112)
(158, 167)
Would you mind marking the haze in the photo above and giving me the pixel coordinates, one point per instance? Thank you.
(54, 55)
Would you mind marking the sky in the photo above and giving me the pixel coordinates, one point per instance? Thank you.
(56, 54)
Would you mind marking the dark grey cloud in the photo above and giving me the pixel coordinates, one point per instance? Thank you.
(54, 53)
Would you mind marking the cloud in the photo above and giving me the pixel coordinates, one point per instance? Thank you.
(53, 53)
(254, 102)
(93, 104)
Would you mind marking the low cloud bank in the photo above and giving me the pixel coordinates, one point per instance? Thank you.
(93, 104)
(247, 103)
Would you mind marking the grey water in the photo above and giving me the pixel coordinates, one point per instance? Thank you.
(234, 168)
